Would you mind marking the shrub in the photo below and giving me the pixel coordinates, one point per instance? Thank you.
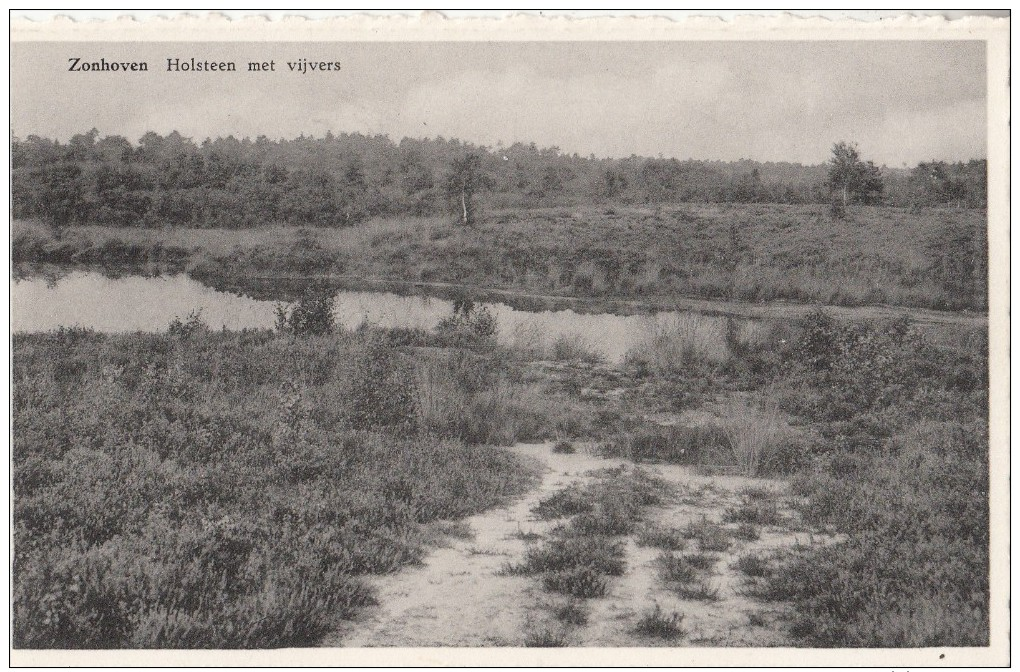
(546, 638)
(575, 348)
(747, 532)
(698, 589)
(701, 561)
(581, 582)
(666, 538)
(914, 568)
(754, 510)
(572, 612)
(711, 536)
(568, 501)
(660, 625)
(677, 444)
(469, 319)
(753, 565)
(673, 344)
(380, 388)
(676, 568)
(611, 505)
(311, 315)
(598, 554)
(607, 517)
(564, 448)
(473, 397)
(582, 553)
(202, 503)
(191, 325)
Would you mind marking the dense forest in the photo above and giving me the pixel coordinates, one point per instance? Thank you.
(339, 180)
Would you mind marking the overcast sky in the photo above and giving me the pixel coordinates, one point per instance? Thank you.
(903, 102)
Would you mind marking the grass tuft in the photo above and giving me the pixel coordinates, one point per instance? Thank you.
(582, 582)
(564, 448)
(696, 590)
(660, 625)
(546, 638)
(710, 536)
(665, 538)
(746, 532)
(756, 436)
(572, 612)
(753, 565)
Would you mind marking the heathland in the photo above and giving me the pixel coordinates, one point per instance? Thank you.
(927, 258)
(218, 489)
(199, 488)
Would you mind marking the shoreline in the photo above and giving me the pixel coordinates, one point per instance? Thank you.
(287, 287)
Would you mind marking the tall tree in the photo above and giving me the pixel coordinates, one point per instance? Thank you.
(465, 180)
(852, 178)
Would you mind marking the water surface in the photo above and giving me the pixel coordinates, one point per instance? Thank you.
(137, 303)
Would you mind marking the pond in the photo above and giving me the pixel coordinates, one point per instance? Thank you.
(138, 303)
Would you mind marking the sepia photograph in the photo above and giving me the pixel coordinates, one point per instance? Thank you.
(416, 334)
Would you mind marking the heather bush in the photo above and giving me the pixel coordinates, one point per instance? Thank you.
(900, 468)
(583, 552)
(657, 536)
(469, 318)
(676, 444)
(312, 314)
(660, 625)
(710, 536)
(546, 638)
(573, 612)
(219, 489)
(916, 556)
(757, 506)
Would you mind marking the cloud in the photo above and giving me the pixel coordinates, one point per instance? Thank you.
(902, 102)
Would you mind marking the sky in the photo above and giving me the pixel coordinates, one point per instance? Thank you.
(902, 102)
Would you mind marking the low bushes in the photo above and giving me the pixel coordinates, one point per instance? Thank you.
(573, 612)
(757, 507)
(710, 536)
(666, 538)
(473, 396)
(677, 444)
(601, 554)
(574, 348)
(882, 257)
(679, 342)
(902, 472)
(916, 559)
(583, 553)
(687, 575)
(220, 489)
(660, 625)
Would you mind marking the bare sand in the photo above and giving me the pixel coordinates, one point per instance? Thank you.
(460, 596)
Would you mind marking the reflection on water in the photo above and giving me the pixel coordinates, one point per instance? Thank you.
(130, 303)
(135, 303)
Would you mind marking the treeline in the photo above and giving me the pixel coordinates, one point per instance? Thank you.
(339, 180)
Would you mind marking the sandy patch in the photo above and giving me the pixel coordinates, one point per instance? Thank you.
(460, 596)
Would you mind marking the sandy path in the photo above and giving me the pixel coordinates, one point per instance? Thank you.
(459, 596)
(724, 622)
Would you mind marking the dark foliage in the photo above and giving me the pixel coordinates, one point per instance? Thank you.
(340, 180)
(902, 470)
(202, 489)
